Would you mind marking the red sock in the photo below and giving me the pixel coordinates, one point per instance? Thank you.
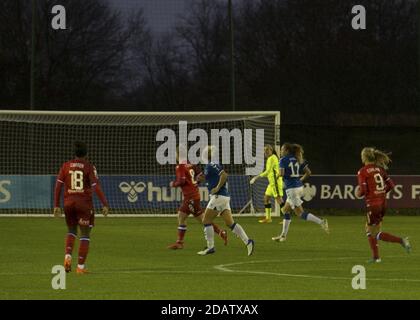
(70, 238)
(389, 237)
(83, 250)
(216, 228)
(181, 233)
(374, 246)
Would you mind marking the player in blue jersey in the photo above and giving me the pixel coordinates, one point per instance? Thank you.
(219, 204)
(294, 170)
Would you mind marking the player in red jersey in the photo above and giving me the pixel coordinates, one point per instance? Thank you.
(185, 178)
(80, 180)
(374, 184)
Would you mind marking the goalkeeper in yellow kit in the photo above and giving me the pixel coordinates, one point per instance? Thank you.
(275, 182)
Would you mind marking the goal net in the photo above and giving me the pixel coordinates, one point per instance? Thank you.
(123, 147)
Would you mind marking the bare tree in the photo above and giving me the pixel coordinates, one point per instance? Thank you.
(81, 66)
(303, 56)
(188, 66)
(204, 35)
(163, 76)
(14, 53)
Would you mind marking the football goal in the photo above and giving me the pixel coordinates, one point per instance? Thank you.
(124, 147)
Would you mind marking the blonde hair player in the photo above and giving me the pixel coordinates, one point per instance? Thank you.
(292, 166)
(374, 184)
(219, 204)
(275, 182)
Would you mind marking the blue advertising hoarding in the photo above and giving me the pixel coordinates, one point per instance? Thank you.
(153, 192)
(122, 192)
(143, 192)
(29, 192)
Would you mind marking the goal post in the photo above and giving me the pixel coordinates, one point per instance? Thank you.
(124, 148)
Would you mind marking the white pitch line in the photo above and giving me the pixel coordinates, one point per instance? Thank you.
(110, 272)
(151, 271)
(221, 267)
(225, 268)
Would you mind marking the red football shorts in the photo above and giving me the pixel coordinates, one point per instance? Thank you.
(191, 206)
(79, 213)
(375, 214)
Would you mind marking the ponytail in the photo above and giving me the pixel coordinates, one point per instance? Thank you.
(382, 159)
(376, 156)
(296, 150)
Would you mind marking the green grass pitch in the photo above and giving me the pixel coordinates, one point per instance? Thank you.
(129, 260)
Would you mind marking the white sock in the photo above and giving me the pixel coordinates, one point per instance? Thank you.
(240, 232)
(313, 218)
(286, 224)
(81, 266)
(67, 256)
(209, 235)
